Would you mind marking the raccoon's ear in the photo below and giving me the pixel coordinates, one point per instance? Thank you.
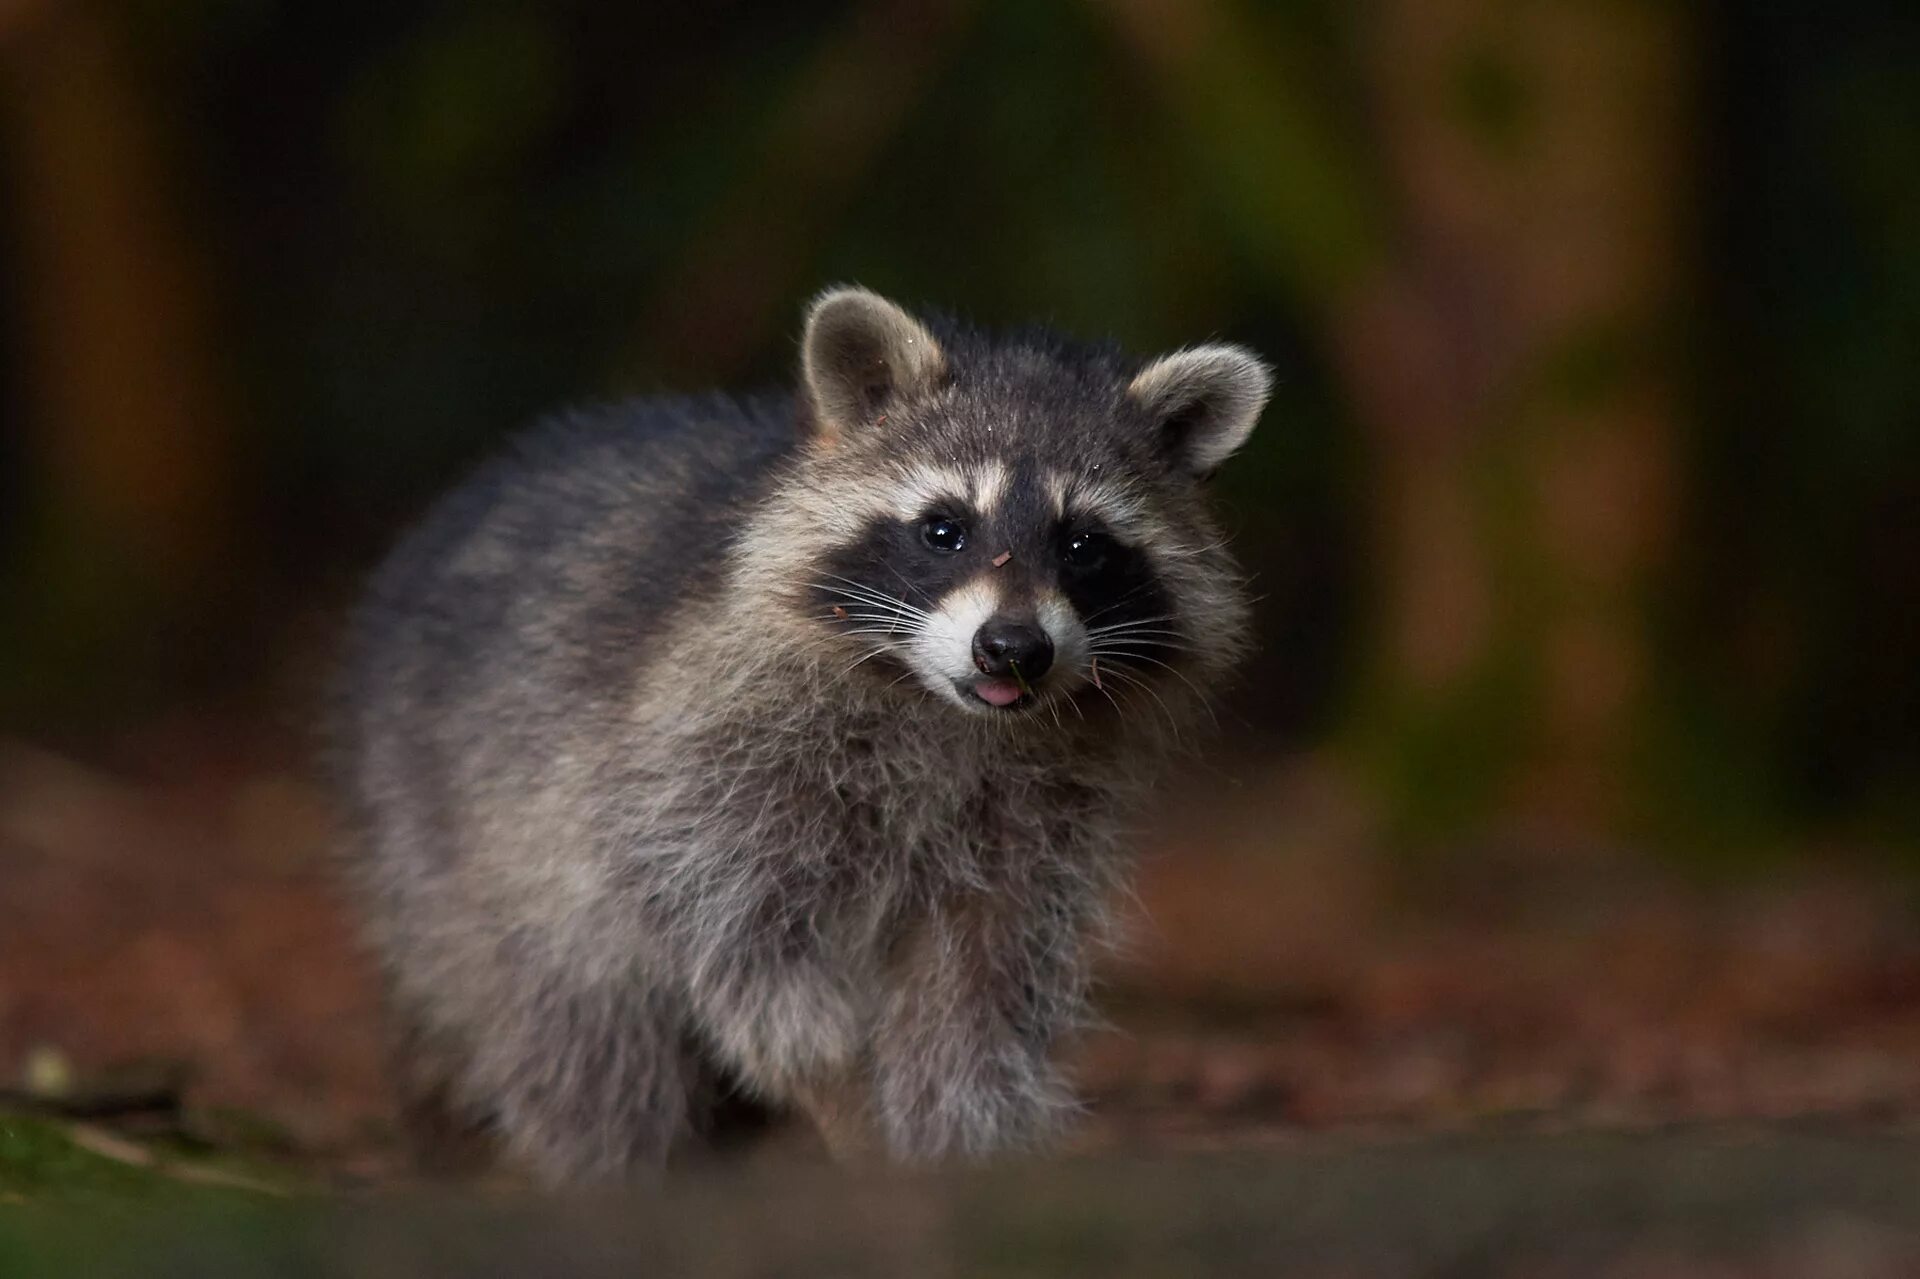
(1205, 401)
(860, 351)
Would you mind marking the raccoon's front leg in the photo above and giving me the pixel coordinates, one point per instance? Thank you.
(780, 1016)
(960, 1055)
(588, 1082)
(790, 1030)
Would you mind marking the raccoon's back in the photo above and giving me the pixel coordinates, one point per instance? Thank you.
(522, 607)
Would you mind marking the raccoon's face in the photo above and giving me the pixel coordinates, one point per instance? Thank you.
(1020, 524)
(999, 585)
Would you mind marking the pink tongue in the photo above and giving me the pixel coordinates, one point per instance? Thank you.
(999, 692)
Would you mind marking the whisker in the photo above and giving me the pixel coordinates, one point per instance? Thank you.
(882, 626)
(1102, 612)
(1134, 680)
(889, 609)
(1134, 621)
(864, 612)
(910, 584)
(1143, 649)
(884, 648)
(1104, 692)
(869, 594)
(1182, 677)
(872, 609)
(1155, 638)
(1194, 552)
(895, 620)
(1114, 628)
(1127, 690)
(1091, 672)
(1157, 662)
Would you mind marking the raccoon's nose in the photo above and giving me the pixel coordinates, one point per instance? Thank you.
(1001, 647)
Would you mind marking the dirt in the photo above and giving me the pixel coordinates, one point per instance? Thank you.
(1287, 994)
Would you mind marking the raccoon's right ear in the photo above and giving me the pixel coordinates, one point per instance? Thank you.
(861, 351)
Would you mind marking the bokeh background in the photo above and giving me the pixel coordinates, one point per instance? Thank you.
(1579, 773)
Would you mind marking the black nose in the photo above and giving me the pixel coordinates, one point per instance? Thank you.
(1000, 647)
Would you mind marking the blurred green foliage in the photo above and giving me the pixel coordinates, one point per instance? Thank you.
(42, 1164)
(1692, 1203)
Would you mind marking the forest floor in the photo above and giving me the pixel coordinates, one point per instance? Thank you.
(1295, 1020)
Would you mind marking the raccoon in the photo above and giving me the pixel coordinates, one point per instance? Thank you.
(710, 757)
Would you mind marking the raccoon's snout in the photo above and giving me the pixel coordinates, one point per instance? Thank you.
(1012, 648)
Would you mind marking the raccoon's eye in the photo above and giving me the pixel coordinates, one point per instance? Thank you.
(1086, 551)
(943, 534)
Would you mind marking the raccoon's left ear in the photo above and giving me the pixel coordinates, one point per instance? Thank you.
(859, 352)
(1205, 401)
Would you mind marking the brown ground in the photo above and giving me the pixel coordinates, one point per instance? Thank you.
(1286, 982)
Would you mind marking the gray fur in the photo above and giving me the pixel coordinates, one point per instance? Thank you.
(636, 832)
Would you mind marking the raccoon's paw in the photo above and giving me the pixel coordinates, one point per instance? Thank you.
(971, 1104)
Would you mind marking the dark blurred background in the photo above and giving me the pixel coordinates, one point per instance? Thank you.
(1591, 491)
(1586, 517)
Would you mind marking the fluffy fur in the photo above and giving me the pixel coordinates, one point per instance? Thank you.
(674, 775)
